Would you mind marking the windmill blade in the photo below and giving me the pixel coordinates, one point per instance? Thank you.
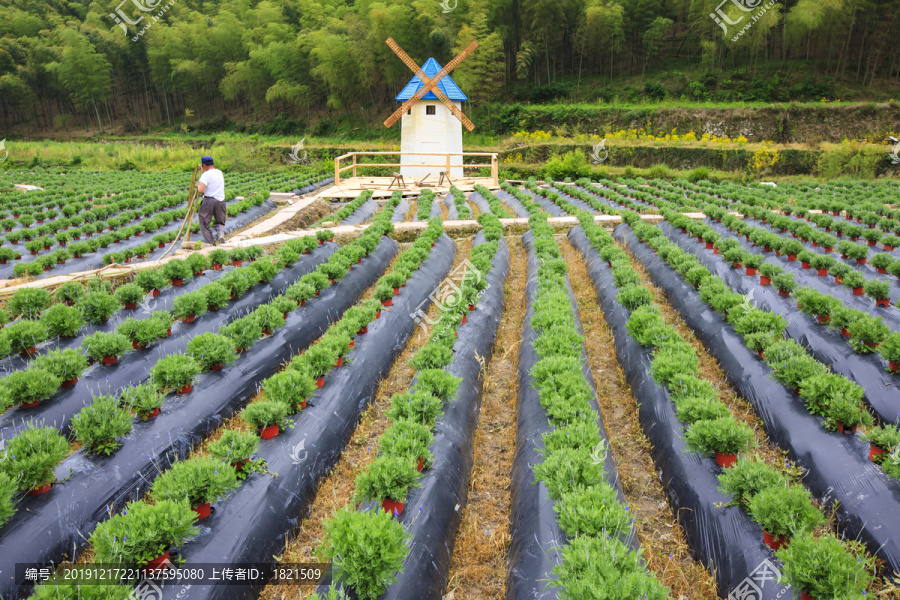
(415, 68)
(431, 84)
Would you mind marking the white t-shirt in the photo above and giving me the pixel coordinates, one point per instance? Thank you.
(215, 184)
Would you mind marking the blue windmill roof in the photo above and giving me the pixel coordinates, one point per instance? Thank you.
(447, 85)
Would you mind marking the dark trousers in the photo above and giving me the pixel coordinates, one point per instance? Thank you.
(209, 208)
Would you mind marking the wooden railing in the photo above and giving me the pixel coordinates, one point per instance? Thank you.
(356, 165)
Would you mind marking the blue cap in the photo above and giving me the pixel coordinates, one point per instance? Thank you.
(207, 160)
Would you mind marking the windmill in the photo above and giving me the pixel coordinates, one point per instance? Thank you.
(431, 114)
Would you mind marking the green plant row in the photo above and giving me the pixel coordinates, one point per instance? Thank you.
(459, 201)
(826, 394)
(425, 201)
(403, 449)
(595, 563)
(347, 210)
(494, 203)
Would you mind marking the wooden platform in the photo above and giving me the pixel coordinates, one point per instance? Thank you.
(381, 187)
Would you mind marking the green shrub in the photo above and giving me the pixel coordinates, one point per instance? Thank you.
(234, 446)
(176, 270)
(408, 440)
(65, 364)
(268, 317)
(690, 410)
(199, 480)
(855, 280)
(867, 332)
(824, 568)
(632, 297)
(784, 282)
(28, 386)
(418, 406)
(97, 307)
(290, 387)
(671, 360)
(69, 292)
(130, 293)
(724, 435)
(151, 279)
(882, 261)
(438, 383)
(143, 399)
(432, 356)
(387, 477)
(785, 511)
(791, 371)
(603, 567)
(143, 332)
(890, 348)
(62, 320)
(150, 529)
(98, 425)
(758, 321)
(174, 371)
(25, 334)
(300, 292)
(101, 344)
(78, 586)
(197, 262)
(29, 302)
(244, 332)
(265, 413)
(886, 437)
(210, 349)
(366, 548)
(567, 469)
(747, 477)
(189, 305)
(593, 511)
(31, 457)
(877, 290)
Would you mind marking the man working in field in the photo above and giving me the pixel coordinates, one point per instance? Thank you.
(212, 187)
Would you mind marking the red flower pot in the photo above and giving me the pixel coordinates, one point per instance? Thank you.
(153, 413)
(885, 303)
(775, 542)
(131, 305)
(363, 331)
(239, 466)
(157, 562)
(40, 490)
(764, 281)
(396, 291)
(317, 292)
(387, 302)
(186, 389)
(792, 257)
(303, 303)
(178, 282)
(861, 261)
(828, 249)
(824, 319)
(320, 382)
(217, 367)
(737, 266)
(189, 319)
(845, 332)
(266, 332)
(848, 430)
(725, 460)
(784, 293)
(858, 291)
(169, 332)
(715, 251)
(321, 242)
(822, 272)
(237, 263)
(761, 354)
(751, 271)
(806, 265)
(888, 247)
(110, 360)
(839, 280)
(880, 270)
(815, 244)
(471, 307)
(392, 506)
(29, 404)
(870, 242)
(710, 245)
(303, 405)
(203, 510)
(464, 319)
(267, 433)
(162, 245)
(421, 464)
(875, 451)
(138, 346)
(893, 367)
(339, 363)
(70, 382)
